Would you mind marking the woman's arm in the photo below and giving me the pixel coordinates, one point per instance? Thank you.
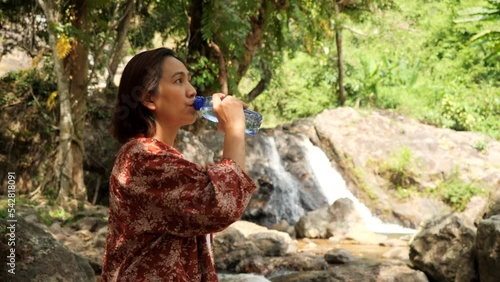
(164, 193)
(229, 111)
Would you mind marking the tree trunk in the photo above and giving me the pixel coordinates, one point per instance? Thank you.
(340, 63)
(63, 165)
(117, 51)
(77, 68)
(253, 41)
(262, 85)
(222, 68)
(197, 47)
(72, 75)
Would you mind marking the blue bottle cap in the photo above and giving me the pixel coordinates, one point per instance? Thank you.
(198, 102)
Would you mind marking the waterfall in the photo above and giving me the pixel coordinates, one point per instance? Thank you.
(334, 187)
(288, 207)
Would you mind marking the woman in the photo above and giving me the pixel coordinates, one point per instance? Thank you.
(162, 206)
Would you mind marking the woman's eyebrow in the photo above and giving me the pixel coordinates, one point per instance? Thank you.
(181, 73)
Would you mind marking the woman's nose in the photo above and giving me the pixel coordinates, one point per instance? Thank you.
(191, 91)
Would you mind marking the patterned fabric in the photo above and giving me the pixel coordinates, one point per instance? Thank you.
(161, 209)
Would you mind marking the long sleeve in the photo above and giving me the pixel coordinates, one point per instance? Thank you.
(161, 209)
(158, 191)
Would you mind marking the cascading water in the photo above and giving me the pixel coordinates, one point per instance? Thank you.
(334, 187)
(288, 207)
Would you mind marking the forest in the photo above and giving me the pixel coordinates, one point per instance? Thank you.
(435, 61)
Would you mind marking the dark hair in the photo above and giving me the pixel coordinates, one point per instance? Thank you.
(140, 76)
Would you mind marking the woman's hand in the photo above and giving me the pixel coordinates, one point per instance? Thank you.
(229, 111)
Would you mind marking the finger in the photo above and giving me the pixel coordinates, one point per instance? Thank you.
(216, 100)
(220, 95)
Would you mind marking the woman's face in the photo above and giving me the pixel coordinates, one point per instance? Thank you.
(173, 104)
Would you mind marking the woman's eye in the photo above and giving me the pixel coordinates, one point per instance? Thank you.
(179, 80)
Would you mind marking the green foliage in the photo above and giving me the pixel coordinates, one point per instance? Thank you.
(491, 12)
(481, 146)
(456, 192)
(206, 71)
(360, 178)
(35, 84)
(4, 206)
(413, 59)
(301, 89)
(400, 169)
(456, 115)
(48, 214)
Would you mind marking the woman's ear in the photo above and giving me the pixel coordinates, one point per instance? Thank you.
(147, 101)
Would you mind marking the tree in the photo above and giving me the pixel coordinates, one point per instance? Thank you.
(83, 38)
(219, 39)
(70, 58)
(481, 14)
(352, 9)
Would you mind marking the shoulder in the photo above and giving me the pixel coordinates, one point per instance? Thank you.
(144, 146)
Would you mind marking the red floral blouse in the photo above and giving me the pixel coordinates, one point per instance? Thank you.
(161, 209)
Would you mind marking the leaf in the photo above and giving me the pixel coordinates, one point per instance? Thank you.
(476, 18)
(51, 101)
(478, 11)
(484, 33)
(63, 47)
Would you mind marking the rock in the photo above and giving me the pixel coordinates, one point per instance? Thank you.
(31, 218)
(335, 220)
(91, 224)
(55, 228)
(241, 278)
(474, 210)
(394, 243)
(397, 272)
(100, 238)
(493, 206)
(387, 272)
(488, 249)
(418, 209)
(443, 249)
(361, 142)
(40, 257)
(283, 226)
(243, 240)
(359, 234)
(400, 253)
(269, 266)
(339, 256)
(312, 276)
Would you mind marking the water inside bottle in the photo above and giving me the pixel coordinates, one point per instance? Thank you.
(208, 113)
(252, 119)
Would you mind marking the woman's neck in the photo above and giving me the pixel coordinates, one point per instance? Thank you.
(166, 135)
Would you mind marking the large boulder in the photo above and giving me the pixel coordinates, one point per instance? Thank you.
(384, 272)
(444, 249)
(245, 247)
(335, 220)
(244, 240)
(241, 278)
(493, 206)
(364, 142)
(488, 249)
(39, 257)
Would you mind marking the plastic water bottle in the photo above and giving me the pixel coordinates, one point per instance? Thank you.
(204, 105)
